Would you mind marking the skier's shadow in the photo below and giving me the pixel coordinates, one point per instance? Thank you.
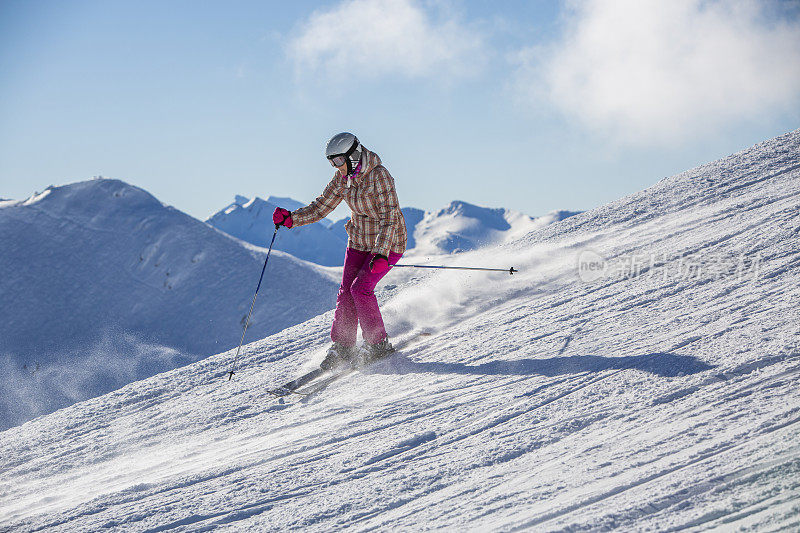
(661, 364)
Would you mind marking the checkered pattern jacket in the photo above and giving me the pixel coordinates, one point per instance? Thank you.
(377, 224)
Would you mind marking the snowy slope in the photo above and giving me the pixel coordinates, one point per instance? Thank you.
(102, 285)
(251, 221)
(660, 394)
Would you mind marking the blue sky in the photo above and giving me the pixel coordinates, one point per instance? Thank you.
(534, 106)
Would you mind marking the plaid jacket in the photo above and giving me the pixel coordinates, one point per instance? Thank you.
(377, 224)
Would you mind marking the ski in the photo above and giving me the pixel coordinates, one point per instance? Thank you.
(294, 386)
(330, 376)
(323, 383)
(341, 372)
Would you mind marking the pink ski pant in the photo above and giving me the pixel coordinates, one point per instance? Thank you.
(356, 303)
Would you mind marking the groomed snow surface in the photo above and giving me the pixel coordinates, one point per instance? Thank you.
(640, 372)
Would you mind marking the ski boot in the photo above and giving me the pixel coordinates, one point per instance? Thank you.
(338, 355)
(372, 352)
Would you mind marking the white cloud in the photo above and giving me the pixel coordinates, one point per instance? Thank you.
(375, 38)
(652, 71)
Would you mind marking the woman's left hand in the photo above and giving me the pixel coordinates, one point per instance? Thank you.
(379, 264)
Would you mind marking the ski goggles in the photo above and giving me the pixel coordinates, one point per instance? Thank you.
(337, 160)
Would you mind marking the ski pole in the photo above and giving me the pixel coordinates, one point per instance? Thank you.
(247, 322)
(509, 270)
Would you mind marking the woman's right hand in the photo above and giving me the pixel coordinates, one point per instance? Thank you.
(282, 217)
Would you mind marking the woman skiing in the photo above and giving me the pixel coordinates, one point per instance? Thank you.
(376, 240)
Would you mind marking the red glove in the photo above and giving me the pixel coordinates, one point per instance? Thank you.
(379, 264)
(282, 217)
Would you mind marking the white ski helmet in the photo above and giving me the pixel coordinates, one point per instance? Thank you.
(344, 148)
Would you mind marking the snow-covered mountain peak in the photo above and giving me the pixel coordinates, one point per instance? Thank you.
(259, 203)
(289, 203)
(493, 218)
(251, 221)
(96, 199)
(461, 226)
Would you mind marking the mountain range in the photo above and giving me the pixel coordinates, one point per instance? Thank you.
(456, 228)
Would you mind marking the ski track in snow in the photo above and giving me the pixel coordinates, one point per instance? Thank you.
(538, 402)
